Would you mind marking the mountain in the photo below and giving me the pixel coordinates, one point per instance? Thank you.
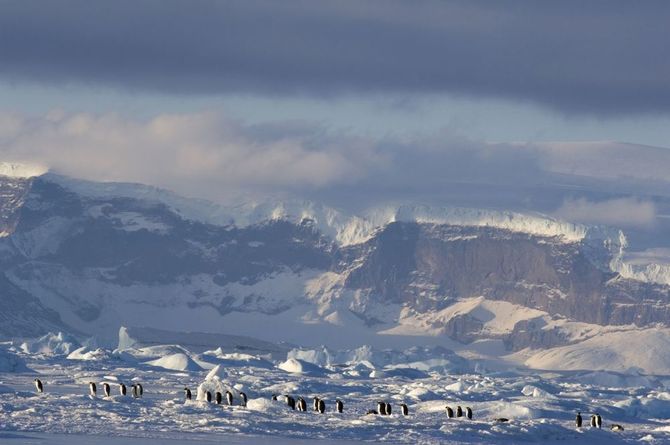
(89, 257)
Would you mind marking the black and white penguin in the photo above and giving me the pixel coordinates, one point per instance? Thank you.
(372, 411)
(322, 406)
(404, 409)
(290, 401)
(599, 421)
(229, 398)
(459, 411)
(501, 420)
(140, 390)
(243, 396)
(106, 389)
(274, 397)
(92, 388)
(339, 406)
(187, 393)
(578, 420)
(315, 403)
(301, 404)
(122, 389)
(450, 412)
(389, 410)
(468, 412)
(381, 408)
(616, 427)
(38, 386)
(218, 397)
(135, 391)
(593, 420)
(208, 397)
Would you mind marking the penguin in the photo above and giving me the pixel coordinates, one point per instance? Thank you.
(187, 393)
(322, 406)
(136, 391)
(339, 406)
(405, 410)
(208, 397)
(243, 396)
(593, 420)
(372, 411)
(122, 389)
(106, 389)
(229, 398)
(302, 405)
(599, 421)
(389, 410)
(92, 388)
(315, 403)
(450, 412)
(381, 408)
(274, 397)
(616, 427)
(290, 401)
(38, 386)
(501, 420)
(218, 397)
(578, 420)
(459, 411)
(140, 389)
(468, 412)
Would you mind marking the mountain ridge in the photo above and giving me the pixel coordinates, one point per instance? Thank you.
(93, 262)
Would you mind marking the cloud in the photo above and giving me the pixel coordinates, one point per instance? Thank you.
(619, 212)
(604, 58)
(211, 155)
(203, 153)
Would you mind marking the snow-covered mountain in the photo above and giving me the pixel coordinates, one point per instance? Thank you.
(89, 257)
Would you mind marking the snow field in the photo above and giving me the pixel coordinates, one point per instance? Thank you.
(541, 408)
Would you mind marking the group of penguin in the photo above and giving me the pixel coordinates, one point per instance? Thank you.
(596, 422)
(459, 412)
(385, 409)
(319, 405)
(137, 390)
(218, 397)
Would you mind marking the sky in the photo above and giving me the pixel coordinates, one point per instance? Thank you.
(351, 102)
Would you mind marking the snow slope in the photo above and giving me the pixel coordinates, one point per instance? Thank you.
(627, 350)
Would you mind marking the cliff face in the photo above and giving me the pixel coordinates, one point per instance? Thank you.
(93, 262)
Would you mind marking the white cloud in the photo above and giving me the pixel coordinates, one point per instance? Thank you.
(189, 152)
(619, 212)
(211, 155)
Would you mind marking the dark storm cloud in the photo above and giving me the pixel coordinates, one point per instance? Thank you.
(594, 56)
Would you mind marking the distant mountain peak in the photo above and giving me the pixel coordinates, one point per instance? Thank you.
(21, 170)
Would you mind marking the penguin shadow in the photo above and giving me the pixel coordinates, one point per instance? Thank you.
(28, 394)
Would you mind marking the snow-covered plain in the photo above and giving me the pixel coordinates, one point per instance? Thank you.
(540, 405)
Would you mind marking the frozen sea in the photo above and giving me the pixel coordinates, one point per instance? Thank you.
(540, 406)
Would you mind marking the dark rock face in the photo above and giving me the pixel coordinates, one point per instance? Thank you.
(430, 267)
(56, 234)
